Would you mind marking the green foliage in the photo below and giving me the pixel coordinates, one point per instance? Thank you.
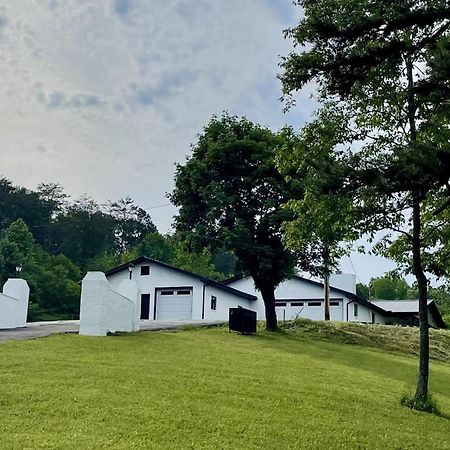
(199, 263)
(53, 280)
(389, 288)
(83, 231)
(156, 246)
(230, 194)
(16, 248)
(20, 203)
(226, 263)
(363, 291)
(441, 295)
(132, 223)
(446, 318)
(322, 217)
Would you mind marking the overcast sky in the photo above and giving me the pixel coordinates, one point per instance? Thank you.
(105, 96)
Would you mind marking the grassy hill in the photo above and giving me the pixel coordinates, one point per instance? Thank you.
(208, 388)
(384, 337)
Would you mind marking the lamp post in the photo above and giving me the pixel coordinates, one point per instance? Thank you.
(130, 270)
(18, 270)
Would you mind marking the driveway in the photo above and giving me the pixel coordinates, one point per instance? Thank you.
(42, 329)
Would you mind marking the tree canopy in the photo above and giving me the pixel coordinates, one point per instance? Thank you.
(230, 195)
(382, 74)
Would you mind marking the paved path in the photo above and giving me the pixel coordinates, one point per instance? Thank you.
(41, 329)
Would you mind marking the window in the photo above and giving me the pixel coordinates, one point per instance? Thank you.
(213, 302)
(166, 292)
(355, 309)
(278, 304)
(334, 303)
(184, 292)
(145, 270)
(296, 303)
(314, 303)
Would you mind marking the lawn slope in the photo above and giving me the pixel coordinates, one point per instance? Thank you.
(396, 339)
(211, 389)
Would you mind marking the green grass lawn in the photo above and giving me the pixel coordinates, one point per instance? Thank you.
(210, 389)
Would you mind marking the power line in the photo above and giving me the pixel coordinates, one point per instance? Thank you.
(157, 206)
(354, 270)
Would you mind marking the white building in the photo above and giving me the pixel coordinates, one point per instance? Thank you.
(303, 298)
(300, 297)
(169, 293)
(406, 312)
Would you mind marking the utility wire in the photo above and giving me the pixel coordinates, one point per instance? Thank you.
(354, 270)
(157, 206)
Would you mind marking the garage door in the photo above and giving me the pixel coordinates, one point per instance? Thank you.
(174, 304)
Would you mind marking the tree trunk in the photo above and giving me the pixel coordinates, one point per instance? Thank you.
(268, 294)
(326, 283)
(424, 352)
(326, 295)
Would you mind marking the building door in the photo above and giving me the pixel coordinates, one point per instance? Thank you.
(145, 306)
(174, 304)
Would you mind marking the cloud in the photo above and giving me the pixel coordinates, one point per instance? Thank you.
(61, 100)
(104, 97)
(122, 7)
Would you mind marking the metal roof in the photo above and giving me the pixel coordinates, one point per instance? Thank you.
(399, 306)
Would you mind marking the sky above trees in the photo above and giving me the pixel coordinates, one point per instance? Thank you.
(104, 97)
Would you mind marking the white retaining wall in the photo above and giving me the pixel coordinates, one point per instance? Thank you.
(104, 310)
(14, 303)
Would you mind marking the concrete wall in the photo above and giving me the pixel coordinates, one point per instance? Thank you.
(104, 309)
(14, 303)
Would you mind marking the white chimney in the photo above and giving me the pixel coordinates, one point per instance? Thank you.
(344, 281)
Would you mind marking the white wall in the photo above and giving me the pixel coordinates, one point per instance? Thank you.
(104, 310)
(364, 314)
(14, 303)
(225, 301)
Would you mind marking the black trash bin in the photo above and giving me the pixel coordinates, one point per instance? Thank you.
(242, 320)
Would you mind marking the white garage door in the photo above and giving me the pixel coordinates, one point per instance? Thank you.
(174, 304)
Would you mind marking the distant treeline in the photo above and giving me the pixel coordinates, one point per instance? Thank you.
(52, 241)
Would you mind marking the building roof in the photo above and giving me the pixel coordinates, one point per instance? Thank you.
(399, 306)
(408, 308)
(205, 280)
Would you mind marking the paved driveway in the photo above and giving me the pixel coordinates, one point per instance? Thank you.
(41, 329)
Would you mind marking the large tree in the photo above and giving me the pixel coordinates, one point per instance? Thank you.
(132, 223)
(322, 220)
(230, 195)
(383, 69)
